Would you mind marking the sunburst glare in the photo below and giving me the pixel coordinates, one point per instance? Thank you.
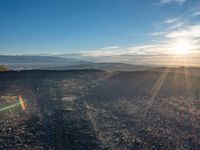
(183, 46)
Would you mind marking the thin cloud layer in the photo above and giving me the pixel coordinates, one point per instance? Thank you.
(195, 14)
(172, 1)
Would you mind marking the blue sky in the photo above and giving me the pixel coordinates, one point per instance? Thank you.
(97, 27)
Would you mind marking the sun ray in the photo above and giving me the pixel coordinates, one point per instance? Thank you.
(155, 90)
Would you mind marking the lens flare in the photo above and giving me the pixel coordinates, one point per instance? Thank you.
(9, 107)
(22, 103)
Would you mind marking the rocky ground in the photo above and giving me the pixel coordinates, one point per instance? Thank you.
(93, 109)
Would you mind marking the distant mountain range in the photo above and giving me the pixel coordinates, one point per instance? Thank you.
(35, 62)
(58, 63)
(35, 59)
(101, 66)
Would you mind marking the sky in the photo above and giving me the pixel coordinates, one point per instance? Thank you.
(99, 28)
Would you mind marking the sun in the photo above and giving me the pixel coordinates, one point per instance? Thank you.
(182, 46)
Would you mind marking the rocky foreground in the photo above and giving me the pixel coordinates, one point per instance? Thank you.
(93, 109)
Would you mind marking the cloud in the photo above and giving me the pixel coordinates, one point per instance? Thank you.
(157, 54)
(170, 20)
(196, 14)
(172, 1)
(175, 26)
(163, 42)
(158, 33)
(176, 32)
(143, 49)
(164, 45)
(190, 31)
(168, 25)
(110, 47)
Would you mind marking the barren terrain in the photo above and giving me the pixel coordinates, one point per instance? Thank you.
(92, 109)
